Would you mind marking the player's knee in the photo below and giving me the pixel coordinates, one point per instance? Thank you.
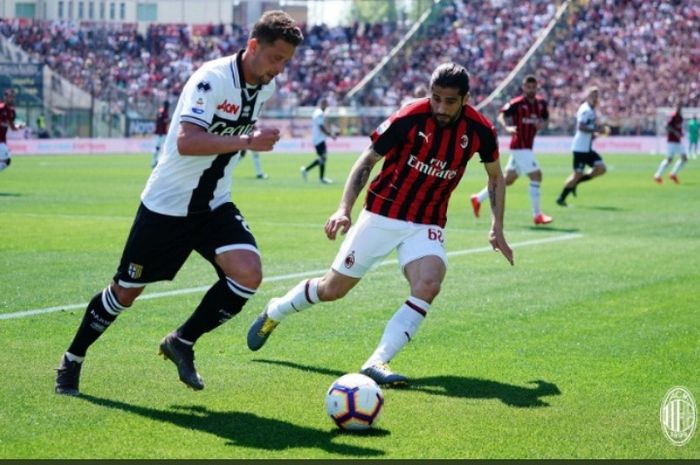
(601, 170)
(248, 275)
(126, 295)
(426, 289)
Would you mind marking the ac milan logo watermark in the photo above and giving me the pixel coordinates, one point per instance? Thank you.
(678, 415)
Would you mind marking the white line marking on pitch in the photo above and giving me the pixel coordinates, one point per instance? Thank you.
(303, 274)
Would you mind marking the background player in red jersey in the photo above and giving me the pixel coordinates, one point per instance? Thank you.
(526, 113)
(162, 123)
(674, 146)
(7, 121)
(425, 146)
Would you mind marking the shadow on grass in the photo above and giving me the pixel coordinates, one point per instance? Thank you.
(458, 386)
(10, 194)
(601, 208)
(241, 428)
(550, 228)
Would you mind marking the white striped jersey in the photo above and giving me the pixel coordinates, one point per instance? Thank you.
(217, 98)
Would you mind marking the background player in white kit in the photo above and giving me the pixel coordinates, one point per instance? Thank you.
(319, 132)
(582, 146)
(186, 204)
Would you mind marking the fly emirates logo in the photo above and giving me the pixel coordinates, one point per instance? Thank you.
(435, 167)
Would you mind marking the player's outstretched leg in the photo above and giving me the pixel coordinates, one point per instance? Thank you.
(300, 297)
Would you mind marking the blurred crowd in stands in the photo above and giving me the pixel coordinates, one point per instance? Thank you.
(640, 53)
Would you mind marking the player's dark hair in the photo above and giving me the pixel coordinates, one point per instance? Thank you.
(530, 78)
(274, 25)
(451, 75)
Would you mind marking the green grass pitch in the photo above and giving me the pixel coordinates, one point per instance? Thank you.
(568, 354)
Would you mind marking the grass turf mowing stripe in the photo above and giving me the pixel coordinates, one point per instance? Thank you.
(157, 295)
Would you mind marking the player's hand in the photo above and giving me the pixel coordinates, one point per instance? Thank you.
(264, 139)
(511, 129)
(338, 222)
(499, 244)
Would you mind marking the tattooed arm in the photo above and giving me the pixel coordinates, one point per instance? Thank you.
(359, 174)
(497, 199)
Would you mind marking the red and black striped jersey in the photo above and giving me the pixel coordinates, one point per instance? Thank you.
(524, 115)
(7, 116)
(423, 162)
(675, 122)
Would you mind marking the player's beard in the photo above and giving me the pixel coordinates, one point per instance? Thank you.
(444, 120)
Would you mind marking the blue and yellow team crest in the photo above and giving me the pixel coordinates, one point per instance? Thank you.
(135, 270)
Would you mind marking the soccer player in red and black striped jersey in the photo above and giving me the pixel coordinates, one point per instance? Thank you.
(425, 147)
(527, 113)
(7, 122)
(162, 122)
(674, 146)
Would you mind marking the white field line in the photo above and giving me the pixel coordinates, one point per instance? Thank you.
(271, 279)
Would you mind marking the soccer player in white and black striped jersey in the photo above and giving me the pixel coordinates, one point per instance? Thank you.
(186, 204)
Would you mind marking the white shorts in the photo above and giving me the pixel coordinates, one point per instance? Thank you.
(674, 148)
(4, 152)
(374, 236)
(522, 161)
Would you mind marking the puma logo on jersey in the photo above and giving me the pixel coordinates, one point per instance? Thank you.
(424, 136)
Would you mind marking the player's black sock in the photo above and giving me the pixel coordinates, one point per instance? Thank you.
(322, 170)
(221, 302)
(565, 193)
(312, 165)
(102, 310)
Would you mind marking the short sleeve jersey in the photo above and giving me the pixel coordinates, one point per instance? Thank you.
(676, 123)
(7, 116)
(216, 98)
(583, 141)
(317, 120)
(423, 162)
(525, 115)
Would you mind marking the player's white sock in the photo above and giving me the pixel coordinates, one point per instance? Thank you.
(679, 166)
(399, 330)
(257, 164)
(483, 195)
(662, 167)
(300, 297)
(535, 197)
(74, 358)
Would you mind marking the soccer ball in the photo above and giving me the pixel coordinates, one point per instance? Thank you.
(354, 402)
